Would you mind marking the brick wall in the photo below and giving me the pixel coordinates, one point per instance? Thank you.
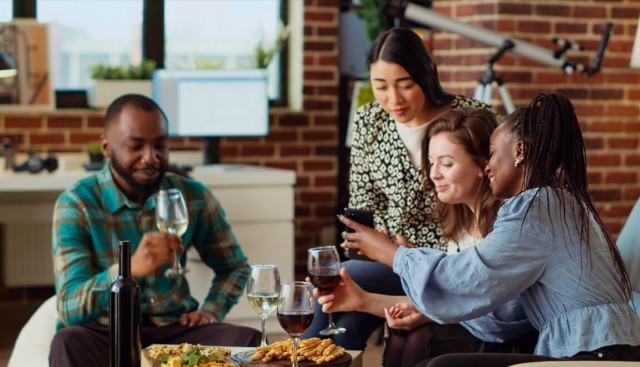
(306, 141)
(607, 103)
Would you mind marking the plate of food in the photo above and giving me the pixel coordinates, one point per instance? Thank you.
(187, 355)
(311, 352)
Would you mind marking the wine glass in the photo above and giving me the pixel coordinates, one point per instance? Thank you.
(172, 217)
(262, 292)
(323, 265)
(295, 311)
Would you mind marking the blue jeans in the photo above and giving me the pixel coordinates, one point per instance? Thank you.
(372, 277)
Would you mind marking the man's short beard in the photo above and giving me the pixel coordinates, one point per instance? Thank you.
(145, 189)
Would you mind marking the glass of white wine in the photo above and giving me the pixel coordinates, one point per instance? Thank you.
(172, 217)
(262, 291)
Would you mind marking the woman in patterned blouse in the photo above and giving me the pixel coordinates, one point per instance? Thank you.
(386, 176)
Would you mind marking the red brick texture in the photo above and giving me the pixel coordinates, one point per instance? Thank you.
(306, 141)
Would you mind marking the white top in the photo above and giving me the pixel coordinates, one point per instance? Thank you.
(412, 139)
(465, 241)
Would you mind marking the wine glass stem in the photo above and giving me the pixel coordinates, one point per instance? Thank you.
(263, 321)
(176, 261)
(295, 352)
(332, 325)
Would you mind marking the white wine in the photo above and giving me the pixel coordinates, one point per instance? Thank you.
(263, 303)
(177, 227)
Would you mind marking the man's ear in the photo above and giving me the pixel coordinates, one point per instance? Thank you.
(106, 149)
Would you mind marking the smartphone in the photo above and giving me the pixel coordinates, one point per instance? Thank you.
(364, 217)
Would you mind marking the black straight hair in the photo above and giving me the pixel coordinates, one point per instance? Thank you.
(404, 47)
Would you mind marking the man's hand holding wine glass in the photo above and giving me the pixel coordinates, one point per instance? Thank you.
(155, 249)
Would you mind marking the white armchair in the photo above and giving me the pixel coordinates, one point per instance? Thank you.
(33, 342)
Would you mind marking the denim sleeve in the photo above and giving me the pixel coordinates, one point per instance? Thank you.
(454, 288)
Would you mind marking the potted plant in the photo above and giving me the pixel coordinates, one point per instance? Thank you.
(375, 21)
(96, 159)
(112, 81)
(264, 52)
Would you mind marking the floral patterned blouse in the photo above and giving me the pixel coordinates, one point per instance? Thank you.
(383, 179)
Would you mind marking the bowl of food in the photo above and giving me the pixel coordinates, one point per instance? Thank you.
(187, 355)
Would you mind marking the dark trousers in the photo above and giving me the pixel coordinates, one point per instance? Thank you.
(407, 348)
(88, 345)
(611, 353)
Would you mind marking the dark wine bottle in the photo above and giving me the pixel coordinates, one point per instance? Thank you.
(124, 315)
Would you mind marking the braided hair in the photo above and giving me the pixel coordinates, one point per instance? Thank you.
(555, 157)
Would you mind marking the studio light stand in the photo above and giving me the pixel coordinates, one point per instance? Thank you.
(484, 89)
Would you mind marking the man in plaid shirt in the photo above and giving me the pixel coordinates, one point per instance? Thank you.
(118, 203)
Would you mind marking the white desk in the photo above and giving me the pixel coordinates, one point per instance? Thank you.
(259, 203)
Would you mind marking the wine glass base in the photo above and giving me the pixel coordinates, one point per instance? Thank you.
(332, 331)
(174, 273)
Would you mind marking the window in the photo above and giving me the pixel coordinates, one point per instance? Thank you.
(221, 35)
(85, 33)
(202, 33)
(6, 10)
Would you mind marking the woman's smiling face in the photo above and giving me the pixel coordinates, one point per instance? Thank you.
(505, 179)
(398, 93)
(455, 174)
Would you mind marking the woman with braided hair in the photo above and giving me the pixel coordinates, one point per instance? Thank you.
(548, 244)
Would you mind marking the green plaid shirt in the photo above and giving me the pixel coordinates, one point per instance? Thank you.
(93, 215)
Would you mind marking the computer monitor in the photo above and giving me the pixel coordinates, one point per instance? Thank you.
(213, 103)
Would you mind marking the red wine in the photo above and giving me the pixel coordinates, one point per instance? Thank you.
(295, 322)
(325, 279)
(124, 315)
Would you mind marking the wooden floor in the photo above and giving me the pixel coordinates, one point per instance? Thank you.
(14, 315)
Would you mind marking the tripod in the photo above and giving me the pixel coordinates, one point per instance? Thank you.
(484, 89)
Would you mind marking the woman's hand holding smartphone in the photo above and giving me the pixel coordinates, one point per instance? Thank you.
(364, 217)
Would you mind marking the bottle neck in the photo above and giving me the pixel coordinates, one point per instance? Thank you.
(125, 259)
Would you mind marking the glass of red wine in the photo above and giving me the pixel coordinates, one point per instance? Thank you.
(295, 311)
(323, 265)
